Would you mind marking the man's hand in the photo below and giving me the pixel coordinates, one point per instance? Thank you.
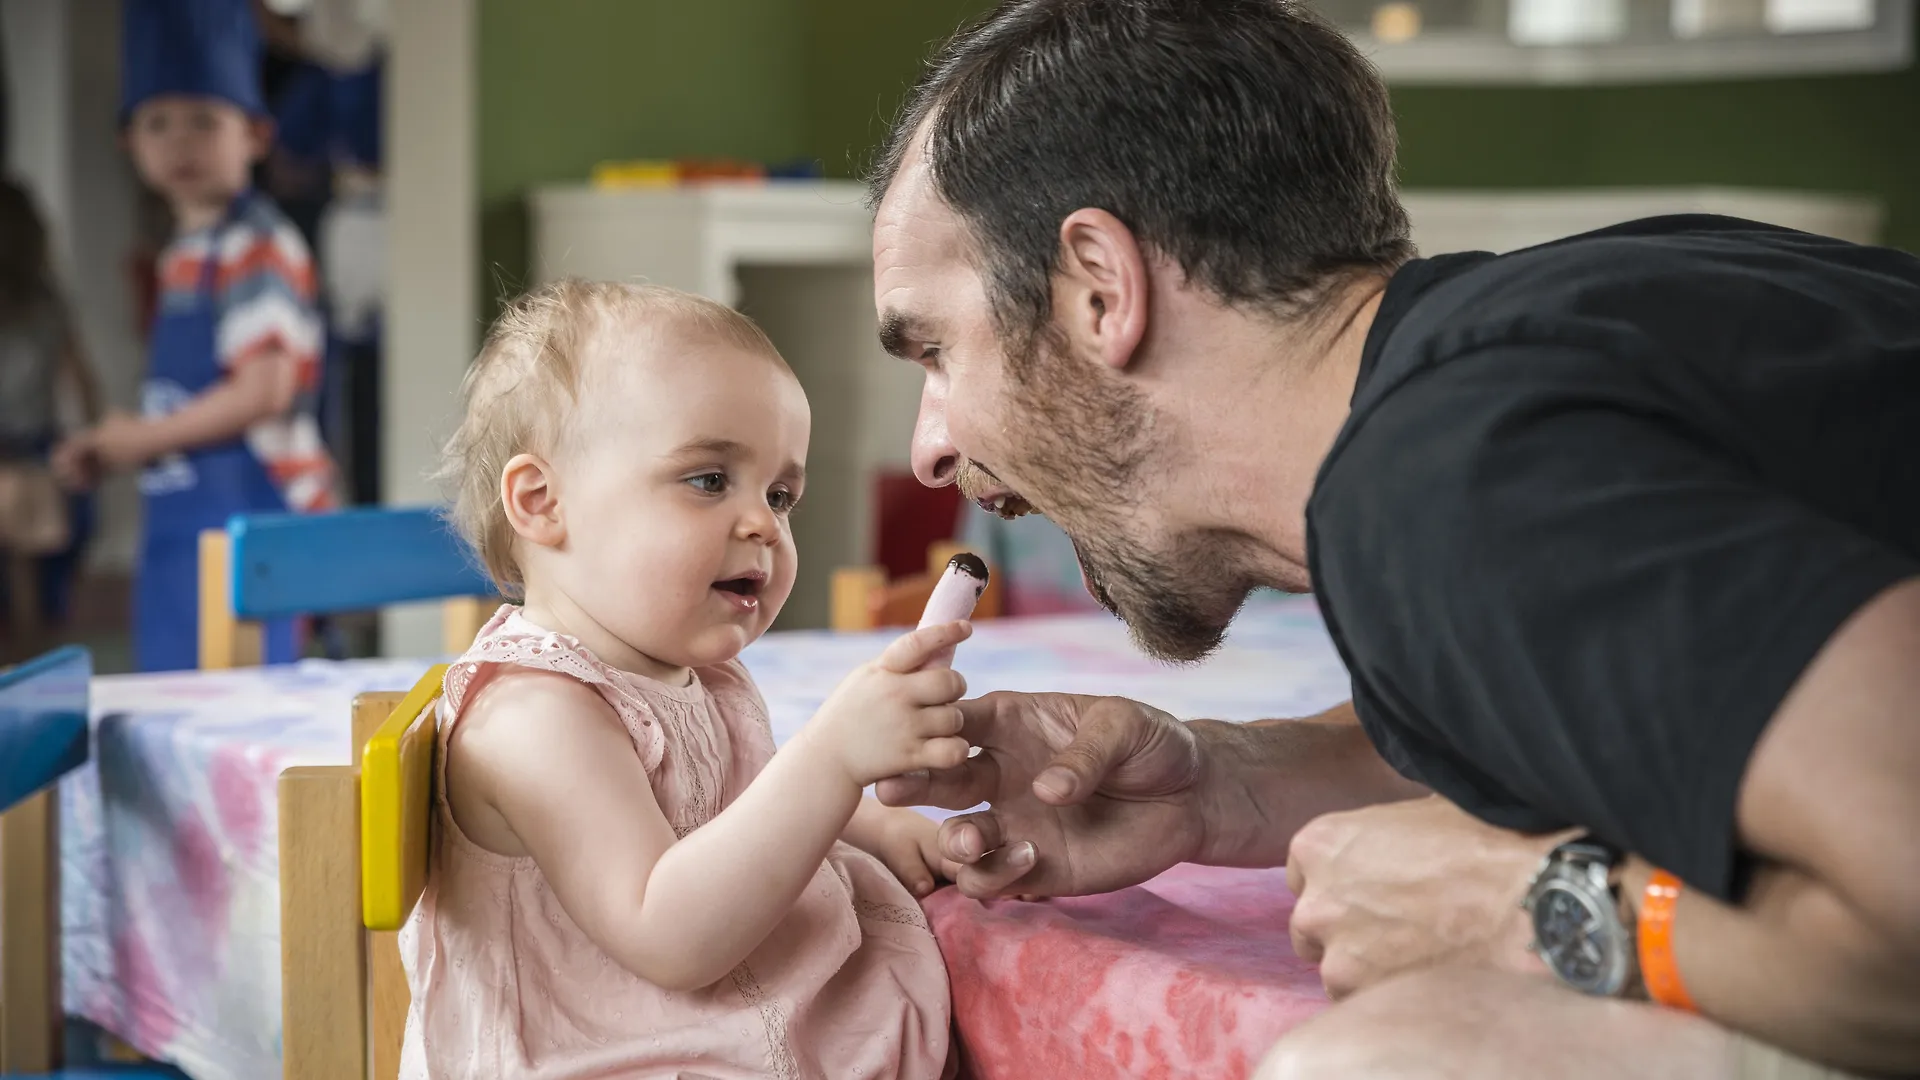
(1089, 795)
(1389, 889)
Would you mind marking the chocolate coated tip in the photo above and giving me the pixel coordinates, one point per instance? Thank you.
(970, 564)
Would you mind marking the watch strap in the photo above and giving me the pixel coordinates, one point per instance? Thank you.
(1658, 971)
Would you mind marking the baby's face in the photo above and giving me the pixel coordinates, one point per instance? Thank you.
(677, 499)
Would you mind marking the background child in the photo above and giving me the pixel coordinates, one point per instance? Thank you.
(627, 878)
(227, 417)
(42, 530)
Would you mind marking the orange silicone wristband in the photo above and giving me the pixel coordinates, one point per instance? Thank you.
(1657, 968)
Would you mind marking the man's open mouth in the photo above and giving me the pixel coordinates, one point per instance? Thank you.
(978, 483)
(1008, 505)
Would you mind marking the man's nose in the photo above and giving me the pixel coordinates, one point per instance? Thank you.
(935, 461)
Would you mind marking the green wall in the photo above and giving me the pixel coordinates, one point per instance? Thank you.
(862, 56)
(1848, 134)
(567, 83)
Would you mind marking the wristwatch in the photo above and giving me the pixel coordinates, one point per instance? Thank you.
(1577, 926)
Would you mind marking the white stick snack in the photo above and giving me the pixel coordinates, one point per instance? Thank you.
(954, 596)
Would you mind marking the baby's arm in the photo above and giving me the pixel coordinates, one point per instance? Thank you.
(550, 757)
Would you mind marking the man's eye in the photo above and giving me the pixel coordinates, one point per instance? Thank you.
(782, 500)
(710, 483)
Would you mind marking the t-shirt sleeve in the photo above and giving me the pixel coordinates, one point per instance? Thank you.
(1564, 604)
(267, 298)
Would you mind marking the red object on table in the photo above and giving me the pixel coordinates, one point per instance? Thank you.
(1189, 975)
(909, 518)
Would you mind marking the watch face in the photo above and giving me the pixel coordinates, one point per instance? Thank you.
(1575, 939)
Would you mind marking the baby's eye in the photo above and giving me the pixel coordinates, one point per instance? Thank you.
(782, 500)
(713, 483)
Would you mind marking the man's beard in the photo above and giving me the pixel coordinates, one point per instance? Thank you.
(1088, 443)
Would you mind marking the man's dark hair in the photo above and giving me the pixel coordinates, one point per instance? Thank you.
(1247, 140)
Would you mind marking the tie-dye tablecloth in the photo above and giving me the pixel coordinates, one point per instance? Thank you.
(170, 897)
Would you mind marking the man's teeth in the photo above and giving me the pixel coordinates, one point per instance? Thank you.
(1010, 506)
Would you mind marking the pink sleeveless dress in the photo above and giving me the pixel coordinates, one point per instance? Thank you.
(849, 985)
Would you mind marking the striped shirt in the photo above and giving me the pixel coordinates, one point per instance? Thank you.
(264, 294)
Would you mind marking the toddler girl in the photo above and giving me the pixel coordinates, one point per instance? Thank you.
(627, 880)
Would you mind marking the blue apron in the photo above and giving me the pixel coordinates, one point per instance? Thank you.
(198, 489)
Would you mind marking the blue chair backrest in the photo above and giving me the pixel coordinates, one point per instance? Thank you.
(43, 721)
(354, 560)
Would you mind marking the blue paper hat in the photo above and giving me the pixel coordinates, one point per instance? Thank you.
(206, 48)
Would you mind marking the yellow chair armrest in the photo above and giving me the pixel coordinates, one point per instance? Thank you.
(396, 806)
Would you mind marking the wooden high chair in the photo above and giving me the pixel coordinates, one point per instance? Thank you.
(268, 566)
(863, 598)
(353, 860)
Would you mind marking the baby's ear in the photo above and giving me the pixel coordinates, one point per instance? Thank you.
(531, 501)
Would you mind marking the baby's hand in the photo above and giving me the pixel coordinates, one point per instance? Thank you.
(910, 847)
(890, 716)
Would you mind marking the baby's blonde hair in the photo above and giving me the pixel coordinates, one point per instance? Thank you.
(517, 393)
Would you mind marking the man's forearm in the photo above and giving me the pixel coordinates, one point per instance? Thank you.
(1797, 967)
(1268, 778)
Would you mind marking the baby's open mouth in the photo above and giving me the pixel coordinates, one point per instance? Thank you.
(742, 590)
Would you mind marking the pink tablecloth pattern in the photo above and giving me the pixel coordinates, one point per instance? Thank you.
(1188, 975)
(170, 894)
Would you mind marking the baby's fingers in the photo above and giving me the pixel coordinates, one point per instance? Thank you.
(911, 651)
(943, 753)
(934, 686)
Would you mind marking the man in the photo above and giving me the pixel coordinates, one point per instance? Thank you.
(1619, 539)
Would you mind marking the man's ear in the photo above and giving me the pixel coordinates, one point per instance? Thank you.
(1100, 292)
(532, 500)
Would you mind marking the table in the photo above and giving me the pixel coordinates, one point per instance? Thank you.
(170, 900)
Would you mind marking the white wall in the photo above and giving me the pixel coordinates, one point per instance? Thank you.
(432, 315)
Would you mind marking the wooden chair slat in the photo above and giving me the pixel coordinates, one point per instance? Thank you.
(323, 1015)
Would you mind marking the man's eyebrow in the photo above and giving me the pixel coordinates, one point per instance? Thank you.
(896, 329)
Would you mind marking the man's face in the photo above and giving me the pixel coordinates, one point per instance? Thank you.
(1029, 424)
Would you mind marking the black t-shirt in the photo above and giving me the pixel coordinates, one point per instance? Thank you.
(1599, 503)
